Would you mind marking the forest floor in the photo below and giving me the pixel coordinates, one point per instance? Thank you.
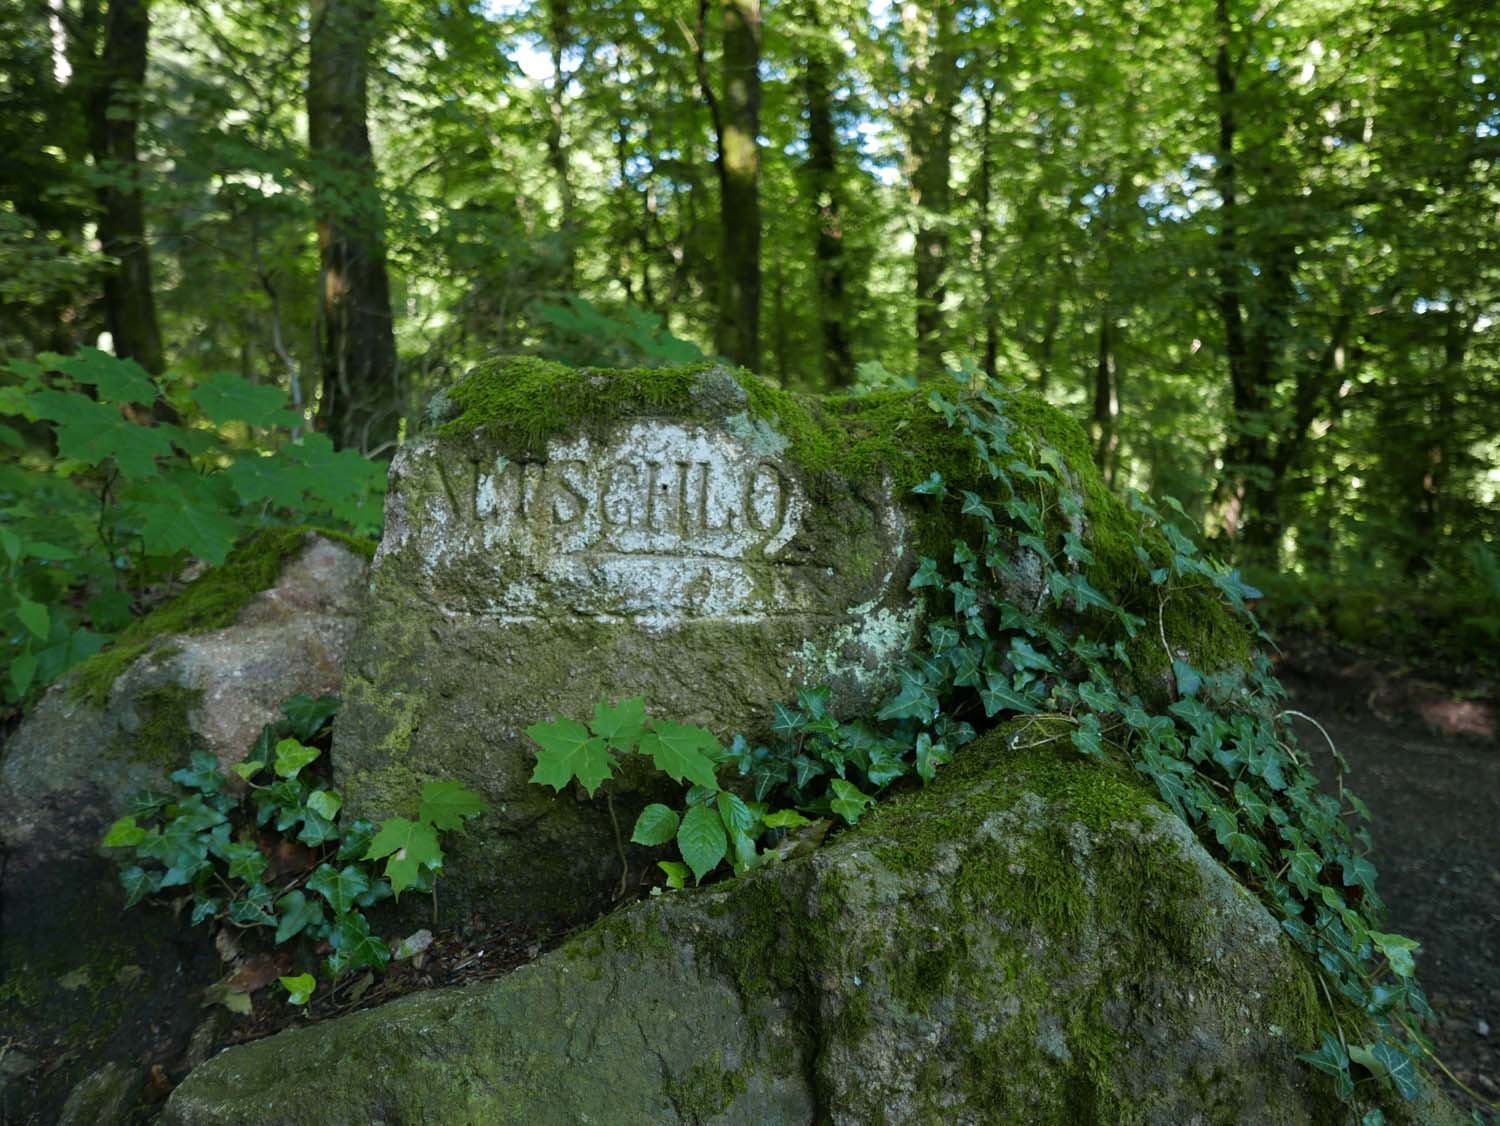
(1423, 747)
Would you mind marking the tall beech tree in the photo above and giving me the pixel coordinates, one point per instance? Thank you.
(825, 194)
(361, 396)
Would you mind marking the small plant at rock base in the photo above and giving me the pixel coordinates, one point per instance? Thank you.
(262, 847)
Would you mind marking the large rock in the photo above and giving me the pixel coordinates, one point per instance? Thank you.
(1030, 939)
(79, 980)
(570, 536)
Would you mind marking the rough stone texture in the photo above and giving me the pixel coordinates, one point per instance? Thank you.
(74, 971)
(1030, 939)
(681, 554)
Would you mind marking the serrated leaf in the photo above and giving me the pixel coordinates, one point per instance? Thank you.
(227, 397)
(91, 431)
(339, 887)
(447, 805)
(409, 847)
(701, 840)
(621, 725)
(655, 826)
(683, 750)
(569, 752)
(292, 756)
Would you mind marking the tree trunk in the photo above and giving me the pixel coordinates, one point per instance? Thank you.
(738, 335)
(559, 35)
(823, 189)
(115, 81)
(361, 404)
(988, 302)
(934, 88)
(1106, 417)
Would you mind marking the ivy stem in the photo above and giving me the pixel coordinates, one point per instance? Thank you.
(609, 802)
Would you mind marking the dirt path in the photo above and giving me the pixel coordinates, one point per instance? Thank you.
(1436, 803)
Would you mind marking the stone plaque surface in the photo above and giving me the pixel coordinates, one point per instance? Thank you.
(683, 555)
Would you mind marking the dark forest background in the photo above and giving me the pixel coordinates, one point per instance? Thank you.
(1253, 246)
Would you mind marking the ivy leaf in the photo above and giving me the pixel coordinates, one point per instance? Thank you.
(932, 487)
(656, 825)
(676, 873)
(682, 750)
(620, 726)
(306, 715)
(1189, 679)
(295, 913)
(1386, 1060)
(300, 988)
(316, 829)
(446, 805)
(1397, 949)
(568, 752)
(786, 721)
(340, 888)
(930, 756)
(246, 862)
(124, 833)
(138, 883)
(354, 946)
(410, 846)
(850, 802)
(926, 575)
(325, 803)
(292, 756)
(357, 838)
(998, 696)
(1332, 1059)
(202, 773)
(701, 840)
(785, 819)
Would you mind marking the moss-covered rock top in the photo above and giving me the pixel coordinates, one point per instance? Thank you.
(212, 601)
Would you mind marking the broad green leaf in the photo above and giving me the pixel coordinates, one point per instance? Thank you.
(22, 671)
(295, 913)
(325, 803)
(316, 829)
(115, 380)
(701, 840)
(91, 432)
(447, 805)
(339, 887)
(124, 833)
(300, 988)
(849, 802)
(34, 617)
(681, 750)
(734, 813)
(138, 883)
(656, 825)
(785, 819)
(306, 715)
(226, 397)
(676, 873)
(355, 947)
(569, 752)
(179, 515)
(410, 846)
(1398, 951)
(202, 773)
(279, 480)
(622, 724)
(357, 838)
(292, 756)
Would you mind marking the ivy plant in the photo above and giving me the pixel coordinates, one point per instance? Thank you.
(1218, 751)
(262, 847)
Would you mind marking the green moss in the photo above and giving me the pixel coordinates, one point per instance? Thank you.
(707, 1090)
(165, 736)
(212, 601)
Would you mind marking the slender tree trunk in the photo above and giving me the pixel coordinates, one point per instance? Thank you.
(824, 191)
(1106, 416)
(115, 82)
(559, 34)
(361, 403)
(738, 335)
(1049, 342)
(934, 89)
(989, 304)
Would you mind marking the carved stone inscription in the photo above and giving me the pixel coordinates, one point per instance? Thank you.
(661, 519)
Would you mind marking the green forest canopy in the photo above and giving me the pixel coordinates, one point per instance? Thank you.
(1253, 244)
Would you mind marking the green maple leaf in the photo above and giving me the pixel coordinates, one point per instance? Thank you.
(681, 750)
(340, 888)
(115, 380)
(410, 846)
(701, 840)
(91, 431)
(568, 752)
(186, 513)
(622, 724)
(227, 397)
(256, 478)
(446, 805)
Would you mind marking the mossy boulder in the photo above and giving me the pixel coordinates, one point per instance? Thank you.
(79, 980)
(1029, 939)
(690, 535)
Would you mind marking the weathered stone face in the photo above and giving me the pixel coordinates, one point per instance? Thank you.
(685, 557)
